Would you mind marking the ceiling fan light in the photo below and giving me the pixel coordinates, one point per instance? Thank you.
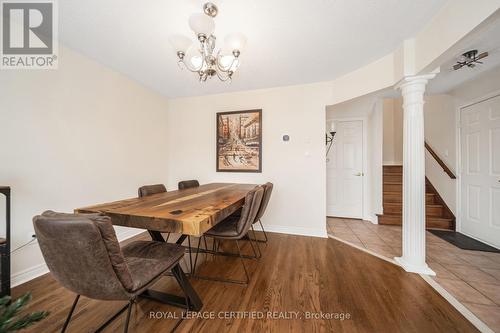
(235, 41)
(180, 43)
(201, 24)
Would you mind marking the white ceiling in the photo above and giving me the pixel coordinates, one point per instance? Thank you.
(485, 41)
(289, 41)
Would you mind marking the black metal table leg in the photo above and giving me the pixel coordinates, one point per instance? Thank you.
(195, 303)
(192, 297)
(181, 239)
(156, 236)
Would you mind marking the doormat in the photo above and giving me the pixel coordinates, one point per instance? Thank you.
(462, 241)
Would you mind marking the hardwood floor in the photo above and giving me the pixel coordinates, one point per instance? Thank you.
(296, 274)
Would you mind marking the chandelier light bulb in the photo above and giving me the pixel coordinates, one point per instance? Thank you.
(180, 43)
(235, 41)
(201, 24)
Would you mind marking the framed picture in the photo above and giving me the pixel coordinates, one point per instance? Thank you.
(239, 141)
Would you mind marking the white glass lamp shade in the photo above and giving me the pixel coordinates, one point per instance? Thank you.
(229, 62)
(235, 41)
(332, 126)
(180, 43)
(202, 24)
(194, 58)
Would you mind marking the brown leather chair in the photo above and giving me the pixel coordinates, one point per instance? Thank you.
(151, 189)
(83, 254)
(188, 184)
(235, 228)
(268, 189)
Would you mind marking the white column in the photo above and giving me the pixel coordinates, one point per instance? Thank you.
(413, 258)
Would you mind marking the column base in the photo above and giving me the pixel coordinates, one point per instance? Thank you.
(420, 269)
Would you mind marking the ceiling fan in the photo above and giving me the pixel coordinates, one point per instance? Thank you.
(470, 59)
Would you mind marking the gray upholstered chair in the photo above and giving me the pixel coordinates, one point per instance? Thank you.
(235, 228)
(268, 189)
(83, 254)
(188, 184)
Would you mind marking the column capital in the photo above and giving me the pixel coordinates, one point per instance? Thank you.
(414, 80)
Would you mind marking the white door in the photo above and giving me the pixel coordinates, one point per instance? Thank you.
(345, 171)
(480, 171)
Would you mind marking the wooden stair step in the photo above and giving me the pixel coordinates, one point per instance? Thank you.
(434, 210)
(392, 187)
(394, 197)
(390, 219)
(439, 223)
(393, 178)
(393, 169)
(430, 222)
(431, 210)
(437, 213)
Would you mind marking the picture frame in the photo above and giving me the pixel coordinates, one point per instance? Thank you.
(239, 141)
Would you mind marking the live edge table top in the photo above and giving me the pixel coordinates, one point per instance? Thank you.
(191, 211)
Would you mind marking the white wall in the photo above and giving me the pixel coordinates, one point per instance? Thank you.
(296, 168)
(393, 131)
(440, 134)
(71, 137)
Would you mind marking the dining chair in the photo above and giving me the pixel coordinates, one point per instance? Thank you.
(84, 256)
(147, 190)
(234, 228)
(268, 189)
(151, 189)
(188, 184)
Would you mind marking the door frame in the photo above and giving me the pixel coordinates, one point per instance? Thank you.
(366, 197)
(458, 152)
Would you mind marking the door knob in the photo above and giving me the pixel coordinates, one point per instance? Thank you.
(359, 174)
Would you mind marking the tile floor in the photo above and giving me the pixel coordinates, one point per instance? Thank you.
(472, 277)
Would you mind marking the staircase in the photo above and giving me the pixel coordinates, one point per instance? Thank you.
(438, 215)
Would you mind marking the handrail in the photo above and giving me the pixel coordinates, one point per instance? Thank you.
(440, 161)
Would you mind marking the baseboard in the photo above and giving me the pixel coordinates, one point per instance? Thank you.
(41, 269)
(28, 274)
(371, 218)
(297, 230)
(128, 233)
(397, 163)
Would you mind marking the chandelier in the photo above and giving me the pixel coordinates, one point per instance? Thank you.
(205, 58)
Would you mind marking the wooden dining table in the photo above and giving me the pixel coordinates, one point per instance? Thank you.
(187, 212)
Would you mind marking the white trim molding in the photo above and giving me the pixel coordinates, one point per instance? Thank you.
(28, 274)
(300, 231)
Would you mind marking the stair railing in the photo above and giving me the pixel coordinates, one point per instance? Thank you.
(440, 162)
